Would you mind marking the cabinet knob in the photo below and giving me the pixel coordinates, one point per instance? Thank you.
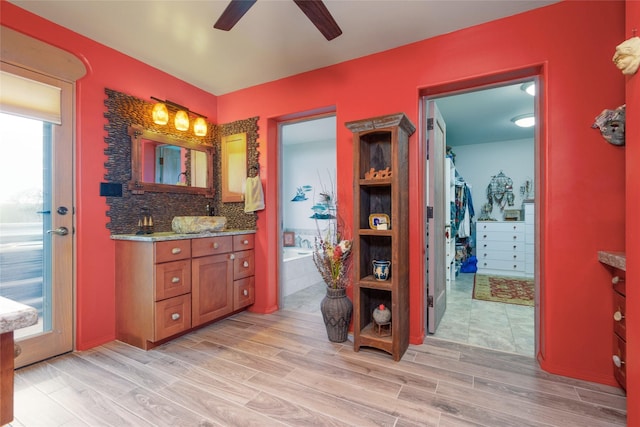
(515, 237)
(484, 246)
(216, 245)
(245, 264)
(17, 350)
(617, 361)
(175, 316)
(515, 257)
(615, 280)
(175, 280)
(176, 251)
(618, 316)
(245, 242)
(232, 256)
(245, 292)
(485, 236)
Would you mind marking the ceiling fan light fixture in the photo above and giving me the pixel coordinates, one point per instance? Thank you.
(160, 114)
(181, 121)
(524, 120)
(200, 127)
(529, 87)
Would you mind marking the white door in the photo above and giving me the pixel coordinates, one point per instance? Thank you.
(36, 217)
(436, 267)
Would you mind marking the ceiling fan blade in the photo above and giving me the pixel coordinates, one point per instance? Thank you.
(318, 13)
(232, 14)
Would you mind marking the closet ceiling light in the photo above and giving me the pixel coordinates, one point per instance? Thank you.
(529, 87)
(524, 121)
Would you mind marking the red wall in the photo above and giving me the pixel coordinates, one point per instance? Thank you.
(571, 43)
(632, 244)
(95, 296)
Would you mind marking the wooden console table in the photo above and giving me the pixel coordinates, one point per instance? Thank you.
(13, 315)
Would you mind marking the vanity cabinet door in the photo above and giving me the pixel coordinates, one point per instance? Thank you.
(211, 290)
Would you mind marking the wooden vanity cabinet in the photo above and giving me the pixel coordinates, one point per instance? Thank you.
(166, 288)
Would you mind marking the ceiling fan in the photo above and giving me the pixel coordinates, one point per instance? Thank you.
(315, 10)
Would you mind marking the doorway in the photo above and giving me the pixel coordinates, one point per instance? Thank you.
(308, 168)
(483, 145)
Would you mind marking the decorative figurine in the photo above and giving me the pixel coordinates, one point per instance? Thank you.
(611, 124)
(627, 56)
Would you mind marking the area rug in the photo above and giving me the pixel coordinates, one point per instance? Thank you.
(508, 290)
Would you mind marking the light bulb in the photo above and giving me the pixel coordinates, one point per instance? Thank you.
(181, 121)
(160, 114)
(200, 127)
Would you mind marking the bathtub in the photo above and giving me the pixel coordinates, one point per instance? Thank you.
(298, 270)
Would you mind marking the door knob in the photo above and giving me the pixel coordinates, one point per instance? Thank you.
(60, 231)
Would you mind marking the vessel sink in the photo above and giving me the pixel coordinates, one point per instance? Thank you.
(197, 224)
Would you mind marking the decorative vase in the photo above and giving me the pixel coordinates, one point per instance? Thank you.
(381, 314)
(381, 269)
(336, 309)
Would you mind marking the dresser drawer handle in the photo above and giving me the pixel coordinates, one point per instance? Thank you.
(617, 361)
(245, 292)
(245, 242)
(245, 264)
(485, 236)
(216, 245)
(175, 280)
(175, 316)
(515, 257)
(618, 316)
(176, 251)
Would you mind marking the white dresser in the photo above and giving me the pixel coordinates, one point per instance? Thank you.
(529, 238)
(500, 247)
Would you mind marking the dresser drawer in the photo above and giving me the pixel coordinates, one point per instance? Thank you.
(172, 250)
(172, 316)
(243, 292)
(501, 256)
(619, 315)
(619, 358)
(172, 279)
(501, 226)
(495, 245)
(243, 264)
(242, 242)
(514, 266)
(499, 236)
(211, 246)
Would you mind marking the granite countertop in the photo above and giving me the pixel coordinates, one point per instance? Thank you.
(14, 315)
(170, 235)
(613, 259)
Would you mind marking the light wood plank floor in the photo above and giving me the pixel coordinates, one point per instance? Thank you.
(280, 369)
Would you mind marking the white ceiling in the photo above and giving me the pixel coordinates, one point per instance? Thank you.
(273, 40)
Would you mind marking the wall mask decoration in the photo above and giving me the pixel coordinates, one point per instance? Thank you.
(300, 193)
(500, 191)
(611, 124)
(627, 56)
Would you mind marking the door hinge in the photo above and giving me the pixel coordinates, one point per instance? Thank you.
(430, 123)
(430, 301)
(429, 212)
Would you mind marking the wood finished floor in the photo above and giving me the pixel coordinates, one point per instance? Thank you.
(280, 369)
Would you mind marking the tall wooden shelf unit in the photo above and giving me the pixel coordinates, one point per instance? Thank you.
(380, 143)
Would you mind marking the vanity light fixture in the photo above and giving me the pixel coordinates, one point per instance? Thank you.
(524, 120)
(160, 115)
(529, 87)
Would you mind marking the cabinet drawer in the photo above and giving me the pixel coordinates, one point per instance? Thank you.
(211, 246)
(172, 279)
(243, 292)
(243, 265)
(172, 316)
(499, 236)
(501, 256)
(172, 250)
(516, 266)
(620, 356)
(506, 226)
(619, 326)
(242, 242)
(493, 245)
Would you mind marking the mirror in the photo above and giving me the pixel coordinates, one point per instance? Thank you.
(164, 163)
(234, 167)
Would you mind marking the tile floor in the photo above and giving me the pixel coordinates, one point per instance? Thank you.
(498, 326)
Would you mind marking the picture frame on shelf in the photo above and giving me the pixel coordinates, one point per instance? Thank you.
(288, 238)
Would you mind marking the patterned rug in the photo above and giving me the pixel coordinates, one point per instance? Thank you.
(508, 290)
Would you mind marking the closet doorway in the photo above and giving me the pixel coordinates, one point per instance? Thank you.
(307, 168)
(481, 178)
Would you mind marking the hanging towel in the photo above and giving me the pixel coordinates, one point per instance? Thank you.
(253, 195)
